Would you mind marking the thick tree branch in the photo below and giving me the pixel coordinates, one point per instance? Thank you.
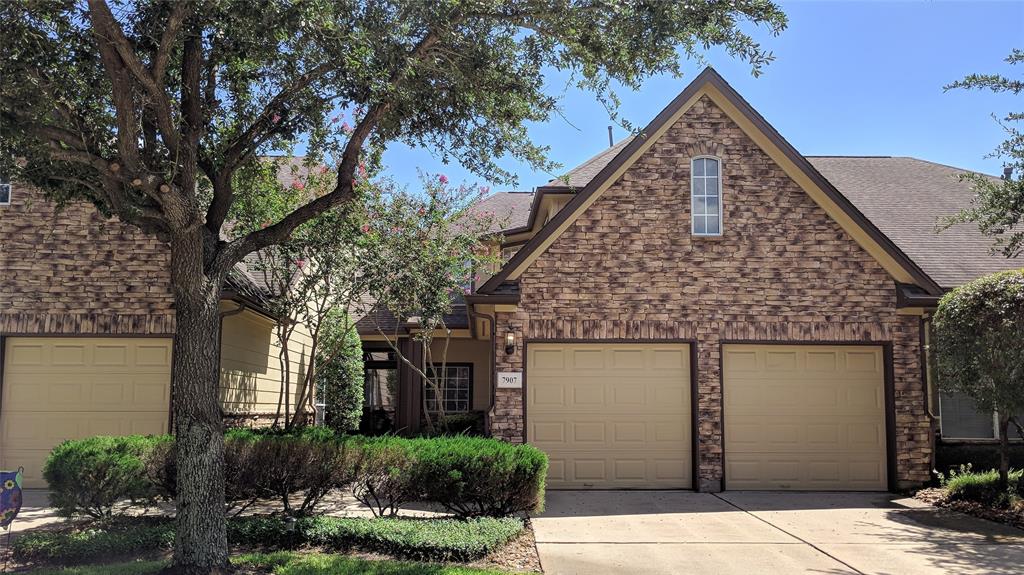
(118, 53)
(249, 140)
(344, 190)
(178, 15)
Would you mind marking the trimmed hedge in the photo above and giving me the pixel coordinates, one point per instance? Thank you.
(89, 476)
(114, 538)
(426, 539)
(469, 476)
(473, 476)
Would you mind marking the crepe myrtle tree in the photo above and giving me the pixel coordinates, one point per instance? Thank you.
(978, 349)
(998, 204)
(313, 271)
(424, 251)
(149, 108)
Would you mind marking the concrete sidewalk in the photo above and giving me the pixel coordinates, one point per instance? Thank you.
(748, 533)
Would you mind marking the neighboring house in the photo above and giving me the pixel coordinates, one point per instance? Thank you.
(86, 320)
(703, 307)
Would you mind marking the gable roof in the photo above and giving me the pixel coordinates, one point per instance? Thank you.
(882, 188)
(709, 84)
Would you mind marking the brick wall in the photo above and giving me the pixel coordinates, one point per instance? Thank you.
(74, 271)
(629, 268)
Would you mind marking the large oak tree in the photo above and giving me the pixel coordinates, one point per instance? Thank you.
(149, 109)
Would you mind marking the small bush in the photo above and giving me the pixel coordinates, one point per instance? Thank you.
(89, 476)
(475, 477)
(981, 487)
(385, 474)
(340, 373)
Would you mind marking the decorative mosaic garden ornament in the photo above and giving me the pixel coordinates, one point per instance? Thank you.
(10, 503)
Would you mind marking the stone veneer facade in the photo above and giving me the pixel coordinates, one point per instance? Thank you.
(628, 268)
(72, 271)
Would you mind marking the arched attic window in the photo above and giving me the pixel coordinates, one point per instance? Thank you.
(706, 196)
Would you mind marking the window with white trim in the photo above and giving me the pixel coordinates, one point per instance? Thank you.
(5, 191)
(706, 196)
(452, 392)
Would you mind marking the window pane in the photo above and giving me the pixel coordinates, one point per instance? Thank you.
(698, 186)
(712, 225)
(699, 224)
(712, 205)
(698, 167)
(5, 193)
(699, 206)
(961, 418)
(711, 186)
(711, 167)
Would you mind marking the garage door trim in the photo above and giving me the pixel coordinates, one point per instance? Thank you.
(889, 392)
(691, 345)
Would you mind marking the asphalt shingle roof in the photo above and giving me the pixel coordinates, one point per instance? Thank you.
(906, 198)
(511, 209)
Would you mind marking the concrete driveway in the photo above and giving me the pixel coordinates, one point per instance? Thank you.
(752, 532)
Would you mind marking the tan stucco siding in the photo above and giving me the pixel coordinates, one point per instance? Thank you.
(473, 351)
(250, 362)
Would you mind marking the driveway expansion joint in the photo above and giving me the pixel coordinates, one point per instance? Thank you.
(798, 538)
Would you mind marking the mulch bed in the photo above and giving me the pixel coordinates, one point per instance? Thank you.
(937, 497)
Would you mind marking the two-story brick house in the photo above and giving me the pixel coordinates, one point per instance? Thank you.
(701, 306)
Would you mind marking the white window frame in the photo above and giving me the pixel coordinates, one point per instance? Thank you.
(10, 191)
(693, 197)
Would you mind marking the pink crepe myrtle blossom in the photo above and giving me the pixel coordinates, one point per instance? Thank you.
(443, 179)
(298, 186)
(324, 169)
(362, 169)
(366, 228)
(422, 211)
(345, 127)
(276, 118)
(300, 263)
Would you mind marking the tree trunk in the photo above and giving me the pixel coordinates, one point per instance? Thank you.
(200, 545)
(1004, 451)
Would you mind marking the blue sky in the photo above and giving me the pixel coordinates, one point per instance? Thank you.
(850, 78)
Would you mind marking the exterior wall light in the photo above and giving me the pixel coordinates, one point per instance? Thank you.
(510, 343)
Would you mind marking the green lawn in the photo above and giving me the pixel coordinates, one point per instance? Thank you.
(289, 563)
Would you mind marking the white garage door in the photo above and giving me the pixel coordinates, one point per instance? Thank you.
(611, 415)
(804, 417)
(68, 388)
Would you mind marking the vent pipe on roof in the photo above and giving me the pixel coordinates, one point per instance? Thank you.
(611, 142)
(1007, 172)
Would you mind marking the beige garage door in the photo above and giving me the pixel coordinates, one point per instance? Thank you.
(804, 417)
(66, 388)
(611, 415)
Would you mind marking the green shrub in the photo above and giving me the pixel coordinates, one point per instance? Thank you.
(113, 539)
(473, 476)
(981, 487)
(428, 539)
(414, 538)
(89, 476)
(385, 474)
(340, 374)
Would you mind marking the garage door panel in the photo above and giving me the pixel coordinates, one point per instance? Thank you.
(69, 388)
(611, 415)
(804, 417)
